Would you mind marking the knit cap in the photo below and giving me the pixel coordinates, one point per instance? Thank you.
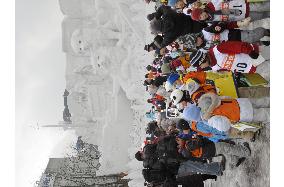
(176, 63)
(195, 13)
(147, 47)
(166, 68)
(189, 40)
(168, 86)
(173, 78)
(183, 125)
(192, 113)
(172, 3)
(197, 58)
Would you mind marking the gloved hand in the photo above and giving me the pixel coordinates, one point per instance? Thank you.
(254, 55)
(245, 22)
(150, 16)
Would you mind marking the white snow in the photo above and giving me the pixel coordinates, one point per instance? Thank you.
(104, 75)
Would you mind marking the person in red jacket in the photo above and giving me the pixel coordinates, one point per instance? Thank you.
(236, 10)
(232, 56)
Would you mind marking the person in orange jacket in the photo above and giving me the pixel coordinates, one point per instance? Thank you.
(194, 91)
(179, 81)
(221, 112)
(199, 147)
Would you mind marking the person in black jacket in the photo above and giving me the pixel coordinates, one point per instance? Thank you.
(172, 24)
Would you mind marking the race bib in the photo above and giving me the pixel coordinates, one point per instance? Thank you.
(224, 5)
(242, 67)
(228, 63)
(237, 10)
(216, 38)
(224, 17)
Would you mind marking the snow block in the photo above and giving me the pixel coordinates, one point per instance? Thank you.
(78, 8)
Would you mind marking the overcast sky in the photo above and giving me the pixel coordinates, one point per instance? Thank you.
(40, 82)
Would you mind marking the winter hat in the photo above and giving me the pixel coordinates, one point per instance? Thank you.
(159, 39)
(183, 125)
(195, 13)
(188, 40)
(156, 26)
(167, 59)
(149, 67)
(197, 58)
(176, 63)
(138, 156)
(220, 123)
(147, 47)
(166, 68)
(173, 78)
(168, 86)
(172, 3)
(192, 113)
(150, 16)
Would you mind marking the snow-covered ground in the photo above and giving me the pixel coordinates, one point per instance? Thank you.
(255, 170)
(104, 75)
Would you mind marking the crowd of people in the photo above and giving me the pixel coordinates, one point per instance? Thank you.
(197, 141)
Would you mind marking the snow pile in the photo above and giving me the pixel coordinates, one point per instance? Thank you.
(104, 74)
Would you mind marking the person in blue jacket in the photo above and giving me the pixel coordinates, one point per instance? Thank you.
(201, 128)
(192, 114)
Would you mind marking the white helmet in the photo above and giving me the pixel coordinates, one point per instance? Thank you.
(169, 86)
(176, 96)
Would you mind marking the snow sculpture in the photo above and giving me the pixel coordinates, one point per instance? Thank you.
(78, 8)
(79, 44)
(85, 39)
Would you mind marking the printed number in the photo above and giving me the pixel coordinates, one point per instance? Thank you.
(240, 70)
(238, 6)
(243, 66)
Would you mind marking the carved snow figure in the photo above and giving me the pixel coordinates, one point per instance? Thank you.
(85, 39)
